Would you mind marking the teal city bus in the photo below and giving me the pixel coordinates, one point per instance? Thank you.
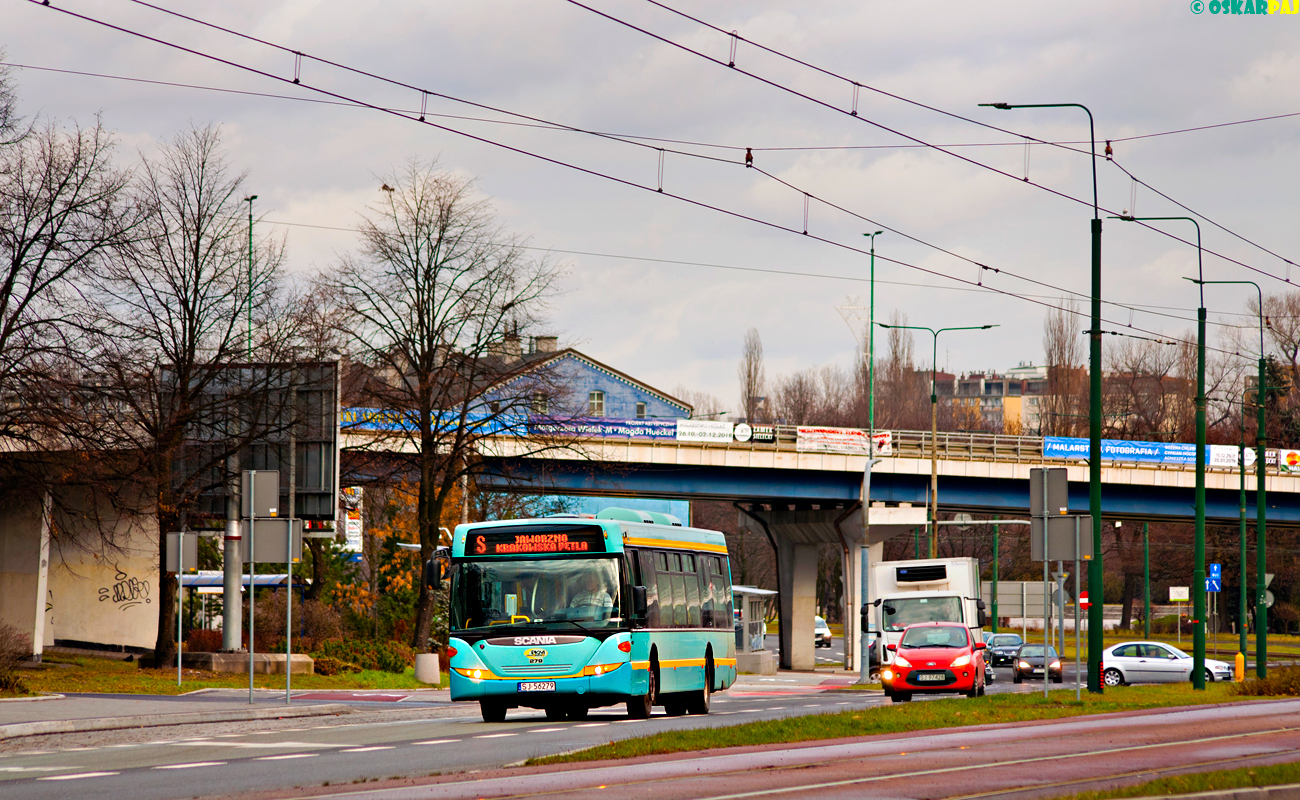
(566, 614)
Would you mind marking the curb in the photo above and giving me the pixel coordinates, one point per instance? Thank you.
(31, 699)
(156, 720)
(1286, 791)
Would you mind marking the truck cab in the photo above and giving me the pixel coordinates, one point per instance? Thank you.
(922, 590)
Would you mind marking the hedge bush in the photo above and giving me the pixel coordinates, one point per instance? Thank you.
(387, 656)
(324, 665)
(15, 648)
(1281, 682)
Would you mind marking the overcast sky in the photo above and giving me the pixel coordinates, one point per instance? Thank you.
(1142, 68)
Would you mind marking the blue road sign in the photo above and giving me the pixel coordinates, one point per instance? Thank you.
(1214, 584)
(1216, 572)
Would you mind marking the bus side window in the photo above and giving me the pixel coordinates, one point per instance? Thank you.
(647, 560)
(667, 599)
(724, 613)
(693, 600)
(707, 582)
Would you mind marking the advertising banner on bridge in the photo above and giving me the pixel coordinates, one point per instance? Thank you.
(849, 441)
(1217, 455)
(599, 427)
(884, 443)
(703, 430)
(1121, 450)
(1288, 461)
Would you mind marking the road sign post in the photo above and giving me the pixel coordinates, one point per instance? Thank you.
(1179, 595)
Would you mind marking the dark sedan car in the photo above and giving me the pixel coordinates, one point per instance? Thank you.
(1002, 648)
(1029, 663)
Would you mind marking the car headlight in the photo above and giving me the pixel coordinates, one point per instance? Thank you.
(1025, 665)
(1056, 665)
(902, 662)
(887, 675)
(961, 661)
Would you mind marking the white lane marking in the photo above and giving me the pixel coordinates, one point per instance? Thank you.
(774, 708)
(438, 741)
(813, 705)
(290, 755)
(192, 765)
(31, 769)
(123, 745)
(749, 711)
(721, 713)
(366, 749)
(495, 735)
(263, 745)
(78, 775)
(545, 730)
(592, 725)
(842, 704)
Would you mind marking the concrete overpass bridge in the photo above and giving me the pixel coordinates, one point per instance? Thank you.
(799, 499)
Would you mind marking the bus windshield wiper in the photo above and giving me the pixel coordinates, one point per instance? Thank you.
(575, 623)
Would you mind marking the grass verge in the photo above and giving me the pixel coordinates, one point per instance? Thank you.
(900, 718)
(110, 676)
(1201, 782)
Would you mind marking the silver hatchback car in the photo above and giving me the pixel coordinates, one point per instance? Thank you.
(1155, 662)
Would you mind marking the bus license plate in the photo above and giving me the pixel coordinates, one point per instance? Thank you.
(537, 686)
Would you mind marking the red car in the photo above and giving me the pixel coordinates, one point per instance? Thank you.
(934, 658)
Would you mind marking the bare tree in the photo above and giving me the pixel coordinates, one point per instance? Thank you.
(434, 303)
(902, 393)
(752, 376)
(171, 311)
(62, 211)
(703, 405)
(797, 398)
(1062, 409)
(1146, 391)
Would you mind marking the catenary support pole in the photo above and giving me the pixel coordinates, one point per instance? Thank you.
(1261, 565)
(1146, 580)
(1242, 639)
(994, 593)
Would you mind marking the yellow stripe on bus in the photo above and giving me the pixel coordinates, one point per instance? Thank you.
(712, 548)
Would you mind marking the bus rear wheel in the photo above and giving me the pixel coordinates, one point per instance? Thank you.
(493, 710)
(698, 701)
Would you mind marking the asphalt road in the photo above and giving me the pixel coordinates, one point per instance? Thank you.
(1031, 760)
(385, 740)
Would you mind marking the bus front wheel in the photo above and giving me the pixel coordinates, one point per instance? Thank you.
(493, 710)
(640, 707)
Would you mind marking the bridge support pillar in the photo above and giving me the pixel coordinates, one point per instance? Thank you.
(798, 566)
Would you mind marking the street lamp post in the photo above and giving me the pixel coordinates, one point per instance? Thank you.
(1261, 610)
(871, 346)
(250, 200)
(1198, 566)
(1096, 642)
(934, 424)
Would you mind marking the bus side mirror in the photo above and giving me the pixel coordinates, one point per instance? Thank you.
(866, 615)
(433, 569)
(640, 608)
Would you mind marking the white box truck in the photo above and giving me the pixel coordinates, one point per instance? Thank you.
(923, 590)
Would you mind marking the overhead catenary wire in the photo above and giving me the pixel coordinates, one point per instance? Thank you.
(546, 125)
(832, 106)
(548, 159)
(298, 55)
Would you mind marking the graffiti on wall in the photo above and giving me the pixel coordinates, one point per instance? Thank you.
(126, 592)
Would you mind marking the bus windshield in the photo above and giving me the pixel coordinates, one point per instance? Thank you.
(903, 611)
(553, 593)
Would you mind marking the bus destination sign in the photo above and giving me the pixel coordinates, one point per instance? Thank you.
(524, 541)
